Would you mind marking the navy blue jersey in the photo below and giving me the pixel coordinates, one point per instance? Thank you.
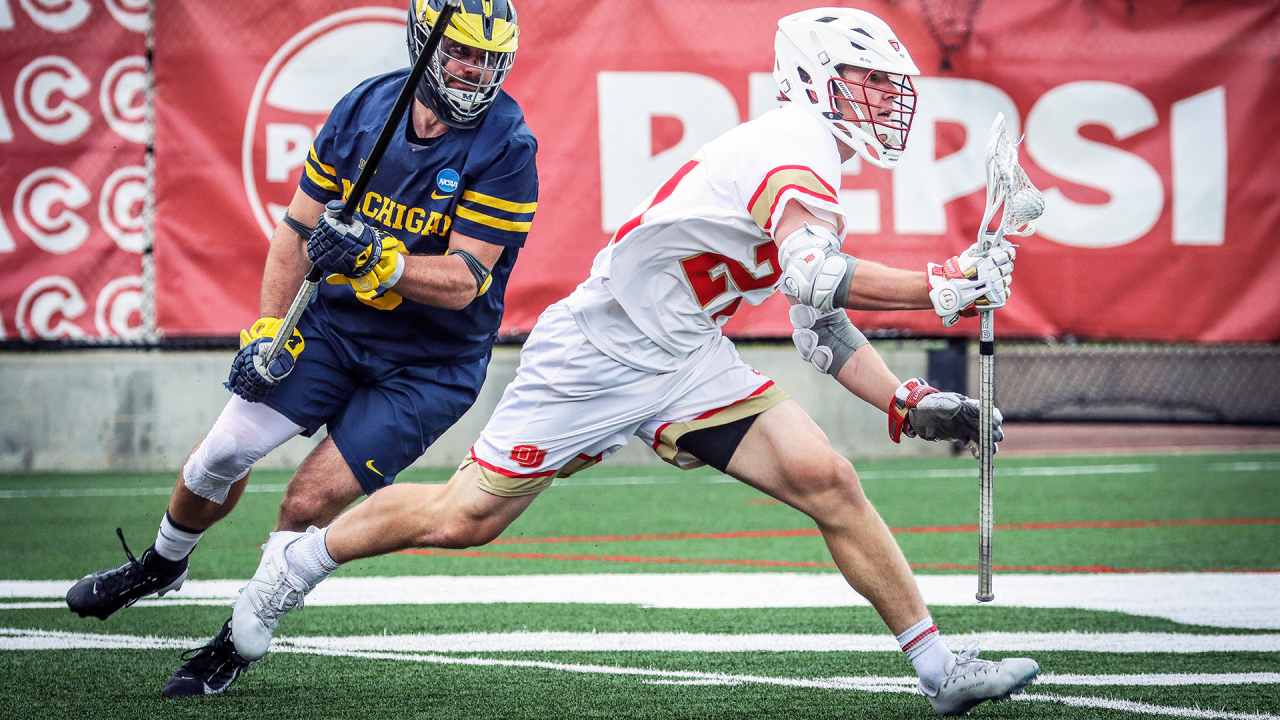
(481, 182)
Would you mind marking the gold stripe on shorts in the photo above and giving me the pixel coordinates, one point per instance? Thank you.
(496, 483)
(669, 434)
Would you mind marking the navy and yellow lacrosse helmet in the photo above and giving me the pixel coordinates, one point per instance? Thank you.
(473, 59)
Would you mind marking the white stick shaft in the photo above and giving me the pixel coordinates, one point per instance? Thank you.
(986, 451)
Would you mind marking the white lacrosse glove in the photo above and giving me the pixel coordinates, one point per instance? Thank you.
(920, 410)
(814, 271)
(962, 283)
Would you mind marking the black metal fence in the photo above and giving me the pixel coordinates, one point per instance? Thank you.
(1238, 384)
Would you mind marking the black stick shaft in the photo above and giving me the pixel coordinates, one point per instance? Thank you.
(370, 166)
(388, 131)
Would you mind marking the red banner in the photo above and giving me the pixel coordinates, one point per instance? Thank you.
(1153, 129)
(73, 139)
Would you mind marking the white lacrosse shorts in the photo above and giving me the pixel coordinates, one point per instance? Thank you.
(571, 406)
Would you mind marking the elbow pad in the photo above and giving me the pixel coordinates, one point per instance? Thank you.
(483, 275)
(303, 230)
(827, 341)
(814, 271)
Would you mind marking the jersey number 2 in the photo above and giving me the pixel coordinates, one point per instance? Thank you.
(707, 278)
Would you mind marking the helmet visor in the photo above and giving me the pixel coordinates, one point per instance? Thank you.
(881, 103)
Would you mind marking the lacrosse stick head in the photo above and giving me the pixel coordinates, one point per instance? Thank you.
(1008, 186)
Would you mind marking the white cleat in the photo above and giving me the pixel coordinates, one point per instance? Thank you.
(272, 592)
(971, 681)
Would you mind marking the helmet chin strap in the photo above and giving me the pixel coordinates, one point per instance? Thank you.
(880, 157)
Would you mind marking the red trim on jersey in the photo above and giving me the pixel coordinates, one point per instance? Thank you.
(657, 437)
(663, 193)
(783, 191)
(834, 198)
(508, 473)
(919, 638)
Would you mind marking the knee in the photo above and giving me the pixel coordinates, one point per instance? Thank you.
(215, 465)
(825, 482)
(460, 534)
(300, 510)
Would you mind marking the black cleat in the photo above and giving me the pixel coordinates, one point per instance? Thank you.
(106, 591)
(208, 670)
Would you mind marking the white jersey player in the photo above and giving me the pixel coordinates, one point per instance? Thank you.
(636, 350)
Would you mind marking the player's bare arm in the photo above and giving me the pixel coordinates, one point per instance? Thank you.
(448, 281)
(874, 286)
(287, 262)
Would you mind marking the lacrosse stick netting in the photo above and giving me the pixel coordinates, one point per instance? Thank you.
(1007, 186)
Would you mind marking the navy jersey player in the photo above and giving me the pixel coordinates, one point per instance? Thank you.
(394, 347)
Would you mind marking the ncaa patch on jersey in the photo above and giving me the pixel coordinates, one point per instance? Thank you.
(448, 180)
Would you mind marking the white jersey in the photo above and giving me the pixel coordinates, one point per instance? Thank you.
(703, 242)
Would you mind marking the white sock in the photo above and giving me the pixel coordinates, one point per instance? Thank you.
(174, 541)
(309, 557)
(927, 652)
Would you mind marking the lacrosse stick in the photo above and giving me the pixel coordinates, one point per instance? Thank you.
(290, 320)
(1007, 185)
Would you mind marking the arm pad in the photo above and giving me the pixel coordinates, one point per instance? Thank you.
(827, 341)
(304, 230)
(814, 271)
(482, 274)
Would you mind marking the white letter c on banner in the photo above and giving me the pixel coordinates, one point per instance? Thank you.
(41, 304)
(37, 83)
(33, 204)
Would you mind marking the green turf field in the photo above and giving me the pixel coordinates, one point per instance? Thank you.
(1081, 522)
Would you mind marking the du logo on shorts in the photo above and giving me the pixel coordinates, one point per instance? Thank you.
(528, 456)
(448, 181)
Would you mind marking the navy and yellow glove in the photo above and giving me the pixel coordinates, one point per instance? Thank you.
(251, 378)
(385, 274)
(351, 249)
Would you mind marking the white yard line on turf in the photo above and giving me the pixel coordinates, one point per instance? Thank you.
(115, 492)
(875, 474)
(674, 479)
(720, 643)
(1163, 679)
(1242, 600)
(1141, 707)
(39, 640)
(1245, 466)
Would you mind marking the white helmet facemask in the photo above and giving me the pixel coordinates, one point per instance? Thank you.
(849, 69)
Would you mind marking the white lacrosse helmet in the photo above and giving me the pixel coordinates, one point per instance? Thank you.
(810, 51)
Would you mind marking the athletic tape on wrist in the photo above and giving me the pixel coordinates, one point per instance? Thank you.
(482, 274)
(838, 334)
(304, 230)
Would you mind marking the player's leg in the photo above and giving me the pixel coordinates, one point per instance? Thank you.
(457, 514)
(321, 487)
(209, 486)
(786, 455)
(318, 386)
(541, 428)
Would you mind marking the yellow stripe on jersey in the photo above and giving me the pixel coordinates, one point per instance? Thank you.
(319, 179)
(783, 178)
(493, 222)
(328, 169)
(499, 204)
